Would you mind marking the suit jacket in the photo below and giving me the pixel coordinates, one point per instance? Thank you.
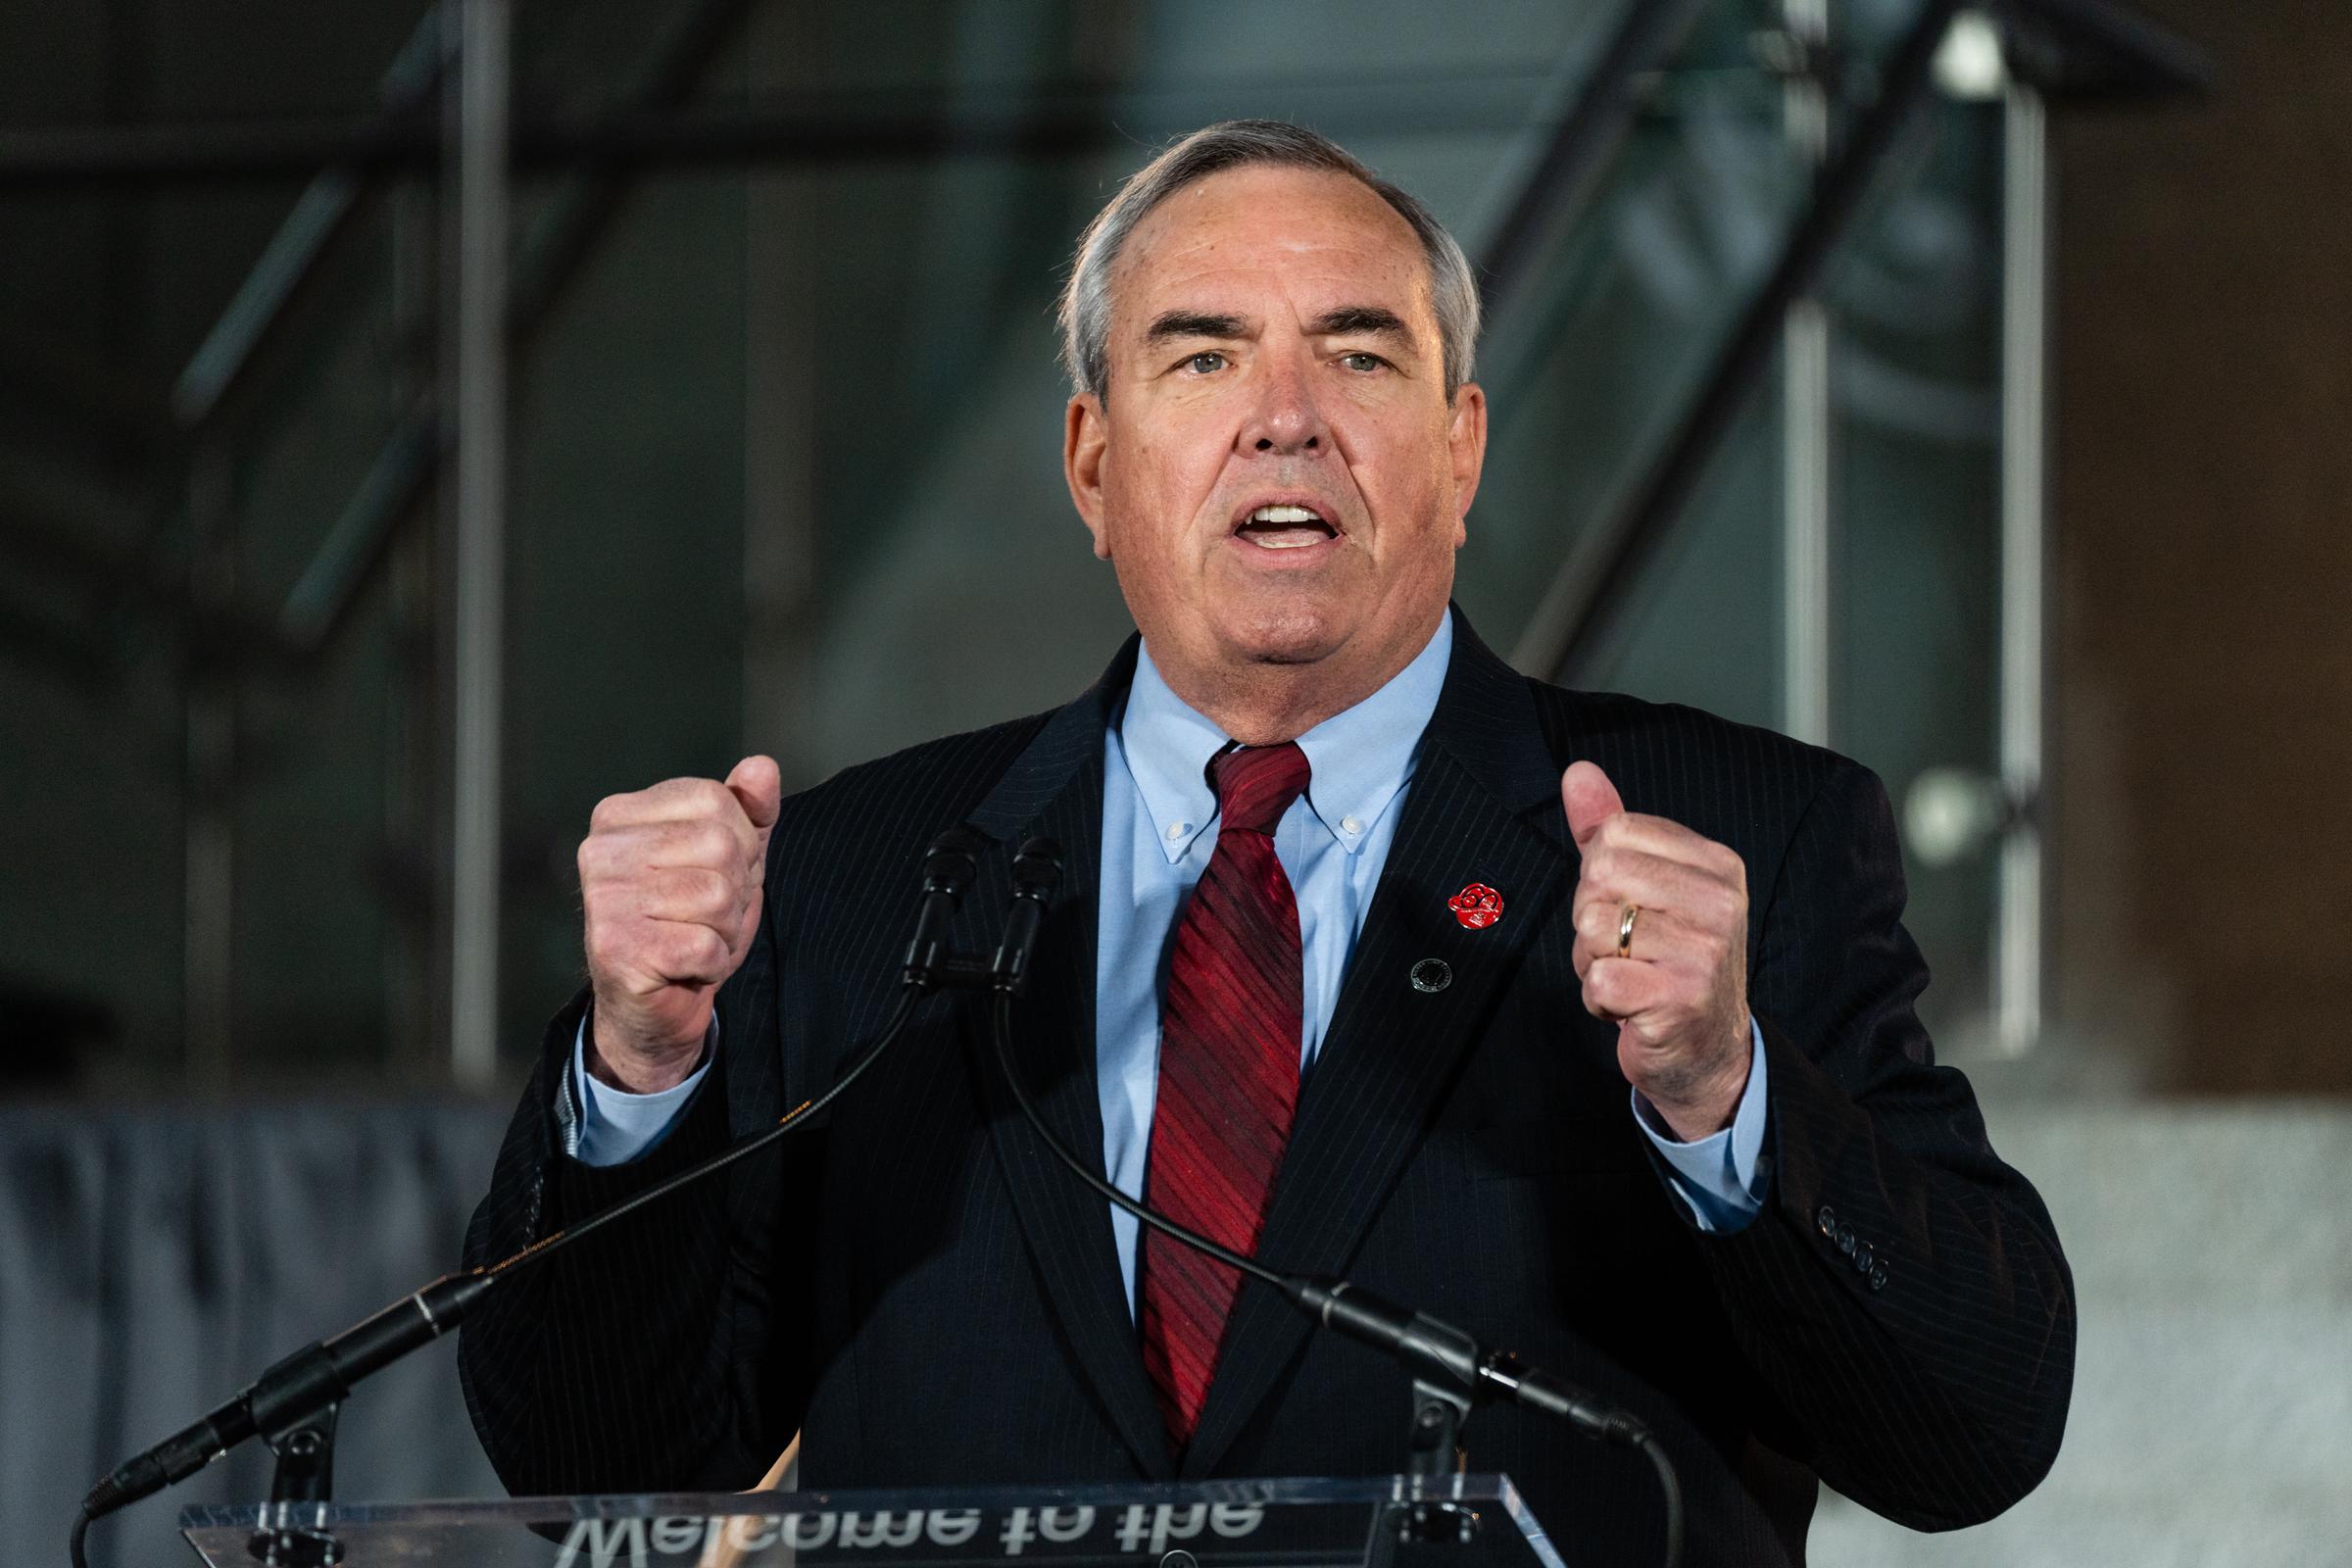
(931, 1299)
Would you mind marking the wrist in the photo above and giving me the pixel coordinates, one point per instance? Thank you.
(1698, 1107)
(638, 1069)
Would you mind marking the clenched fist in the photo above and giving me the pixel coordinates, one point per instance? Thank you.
(671, 882)
(1679, 998)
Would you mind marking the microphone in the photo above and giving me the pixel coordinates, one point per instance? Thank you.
(1443, 1353)
(1035, 872)
(314, 1377)
(1434, 1352)
(322, 1373)
(946, 871)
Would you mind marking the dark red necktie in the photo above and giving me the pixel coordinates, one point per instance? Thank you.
(1229, 1043)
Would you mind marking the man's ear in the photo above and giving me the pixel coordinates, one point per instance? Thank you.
(1085, 446)
(1466, 445)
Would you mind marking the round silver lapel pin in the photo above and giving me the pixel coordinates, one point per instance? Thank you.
(1431, 975)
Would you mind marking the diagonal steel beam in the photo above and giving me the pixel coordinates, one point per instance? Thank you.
(1585, 142)
(407, 464)
(322, 215)
(1588, 596)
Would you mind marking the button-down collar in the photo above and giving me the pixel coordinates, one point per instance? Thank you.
(1360, 758)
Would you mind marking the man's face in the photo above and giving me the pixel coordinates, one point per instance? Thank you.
(1274, 353)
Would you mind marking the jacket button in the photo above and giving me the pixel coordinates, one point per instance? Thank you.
(1878, 1278)
(1827, 1219)
(1845, 1240)
(1864, 1257)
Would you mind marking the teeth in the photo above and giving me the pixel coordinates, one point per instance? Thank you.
(1284, 541)
(1283, 514)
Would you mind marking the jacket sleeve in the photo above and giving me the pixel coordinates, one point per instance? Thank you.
(659, 1353)
(1902, 1292)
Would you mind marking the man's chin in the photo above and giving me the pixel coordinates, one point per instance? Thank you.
(1291, 635)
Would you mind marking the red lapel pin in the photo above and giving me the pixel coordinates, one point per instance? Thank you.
(1477, 905)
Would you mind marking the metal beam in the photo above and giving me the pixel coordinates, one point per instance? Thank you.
(355, 545)
(812, 129)
(2090, 50)
(1585, 142)
(1808, 605)
(322, 215)
(402, 472)
(476, 501)
(1589, 592)
(2019, 943)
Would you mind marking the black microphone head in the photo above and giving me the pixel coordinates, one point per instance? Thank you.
(962, 839)
(1037, 868)
(947, 865)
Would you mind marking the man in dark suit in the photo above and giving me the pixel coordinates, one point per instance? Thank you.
(1582, 1022)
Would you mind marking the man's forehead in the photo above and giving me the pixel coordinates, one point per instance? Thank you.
(1323, 235)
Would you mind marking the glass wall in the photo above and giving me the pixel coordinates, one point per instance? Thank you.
(785, 465)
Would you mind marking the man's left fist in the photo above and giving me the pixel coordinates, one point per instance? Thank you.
(1679, 998)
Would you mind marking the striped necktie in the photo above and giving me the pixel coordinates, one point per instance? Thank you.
(1229, 1044)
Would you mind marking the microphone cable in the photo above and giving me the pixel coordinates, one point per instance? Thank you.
(1365, 1318)
(909, 994)
(323, 1371)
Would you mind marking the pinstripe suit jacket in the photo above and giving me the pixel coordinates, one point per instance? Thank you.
(932, 1300)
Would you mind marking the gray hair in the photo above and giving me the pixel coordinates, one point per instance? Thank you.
(1084, 309)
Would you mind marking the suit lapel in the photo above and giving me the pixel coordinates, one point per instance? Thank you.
(1484, 807)
(1055, 789)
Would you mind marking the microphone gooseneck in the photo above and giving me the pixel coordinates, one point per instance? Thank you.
(322, 1373)
(314, 1377)
(1429, 1348)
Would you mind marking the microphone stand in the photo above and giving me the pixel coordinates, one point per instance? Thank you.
(1451, 1370)
(293, 1406)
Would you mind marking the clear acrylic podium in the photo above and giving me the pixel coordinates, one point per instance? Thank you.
(1380, 1522)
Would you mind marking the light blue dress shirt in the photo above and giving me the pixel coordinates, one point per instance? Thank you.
(1158, 831)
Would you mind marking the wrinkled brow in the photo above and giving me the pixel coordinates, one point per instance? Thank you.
(1192, 323)
(1353, 321)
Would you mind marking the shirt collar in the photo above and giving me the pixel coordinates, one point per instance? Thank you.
(1360, 758)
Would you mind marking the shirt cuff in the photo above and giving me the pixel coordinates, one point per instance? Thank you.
(1720, 1177)
(612, 1126)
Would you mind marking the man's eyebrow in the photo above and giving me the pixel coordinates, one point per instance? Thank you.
(1192, 323)
(1351, 321)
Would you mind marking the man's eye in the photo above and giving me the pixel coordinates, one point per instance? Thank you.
(1206, 362)
(1362, 362)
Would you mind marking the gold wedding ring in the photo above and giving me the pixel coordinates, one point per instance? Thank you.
(1625, 930)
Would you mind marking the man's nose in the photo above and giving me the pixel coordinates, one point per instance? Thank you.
(1285, 419)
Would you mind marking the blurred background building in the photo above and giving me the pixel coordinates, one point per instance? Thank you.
(417, 423)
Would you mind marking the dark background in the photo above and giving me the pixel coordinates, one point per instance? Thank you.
(785, 477)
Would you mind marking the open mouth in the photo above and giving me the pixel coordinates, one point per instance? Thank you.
(1285, 525)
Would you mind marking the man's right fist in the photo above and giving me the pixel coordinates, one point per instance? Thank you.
(671, 882)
